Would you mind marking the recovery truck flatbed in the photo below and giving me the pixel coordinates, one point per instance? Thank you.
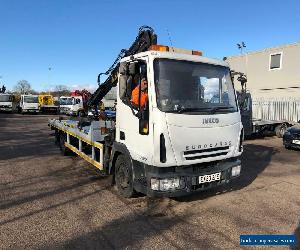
(86, 141)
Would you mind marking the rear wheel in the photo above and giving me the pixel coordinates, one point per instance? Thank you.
(62, 139)
(124, 177)
(57, 139)
(280, 130)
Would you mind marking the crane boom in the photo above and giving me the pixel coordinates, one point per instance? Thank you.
(145, 38)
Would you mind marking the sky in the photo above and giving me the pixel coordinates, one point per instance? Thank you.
(78, 39)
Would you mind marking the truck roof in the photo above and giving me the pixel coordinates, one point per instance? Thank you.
(179, 56)
(30, 95)
(66, 96)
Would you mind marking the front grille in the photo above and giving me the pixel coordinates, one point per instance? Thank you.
(65, 109)
(205, 153)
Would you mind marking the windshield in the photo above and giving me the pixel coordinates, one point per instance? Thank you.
(66, 101)
(183, 86)
(31, 99)
(5, 98)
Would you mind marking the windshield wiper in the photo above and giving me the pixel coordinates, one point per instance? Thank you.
(214, 109)
(210, 110)
(182, 110)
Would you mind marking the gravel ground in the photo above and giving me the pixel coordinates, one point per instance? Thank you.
(48, 201)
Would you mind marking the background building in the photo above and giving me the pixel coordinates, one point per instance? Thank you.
(273, 80)
(272, 72)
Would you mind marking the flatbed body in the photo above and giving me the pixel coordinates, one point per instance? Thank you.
(77, 139)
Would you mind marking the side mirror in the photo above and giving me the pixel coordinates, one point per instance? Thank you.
(143, 69)
(132, 68)
(123, 70)
(122, 86)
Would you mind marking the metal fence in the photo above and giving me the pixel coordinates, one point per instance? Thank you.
(277, 109)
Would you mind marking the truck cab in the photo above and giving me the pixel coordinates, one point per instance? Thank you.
(7, 102)
(189, 135)
(71, 105)
(29, 104)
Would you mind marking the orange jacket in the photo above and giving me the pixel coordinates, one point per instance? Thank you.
(135, 97)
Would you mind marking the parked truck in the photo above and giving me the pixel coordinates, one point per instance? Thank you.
(183, 140)
(46, 102)
(8, 102)
(66, 104)
(254, 125)
(75, 105)
(29, 104)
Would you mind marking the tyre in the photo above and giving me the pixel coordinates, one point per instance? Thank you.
(280, 130)
(62, 139)
(124, 177)
(57, 139)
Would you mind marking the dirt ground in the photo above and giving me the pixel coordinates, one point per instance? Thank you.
(48, 201)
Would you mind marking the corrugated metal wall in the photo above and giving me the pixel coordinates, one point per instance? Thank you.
(283, 109)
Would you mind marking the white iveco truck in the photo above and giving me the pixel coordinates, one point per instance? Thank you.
(68, 105)
(29, 104)
(188, 136)
(7, 102)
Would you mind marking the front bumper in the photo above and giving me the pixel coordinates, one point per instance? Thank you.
(288, 139)
(67, 112)
(189, 177)
(50, 109)
(30, 111)
(6, 109)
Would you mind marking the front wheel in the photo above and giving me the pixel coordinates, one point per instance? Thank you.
(124, 177)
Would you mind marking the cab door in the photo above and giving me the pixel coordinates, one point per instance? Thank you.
(134, 127)
(78, 103)
(246, 113)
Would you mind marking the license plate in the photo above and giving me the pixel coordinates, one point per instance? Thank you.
(209, 178)
(296, 141)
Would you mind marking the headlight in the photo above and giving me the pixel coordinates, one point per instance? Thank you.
(165, 184)
(235, 171)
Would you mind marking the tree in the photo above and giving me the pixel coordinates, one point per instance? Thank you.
(23, 87)
(61, 90)
(2, 90)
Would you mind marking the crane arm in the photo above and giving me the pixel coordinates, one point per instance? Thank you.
(145, 38)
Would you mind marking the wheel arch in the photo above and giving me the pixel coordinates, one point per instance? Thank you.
(118, 149)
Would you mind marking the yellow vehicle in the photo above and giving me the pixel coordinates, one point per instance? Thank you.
(46, 103)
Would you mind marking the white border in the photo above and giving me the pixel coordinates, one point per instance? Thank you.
(277, 53)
